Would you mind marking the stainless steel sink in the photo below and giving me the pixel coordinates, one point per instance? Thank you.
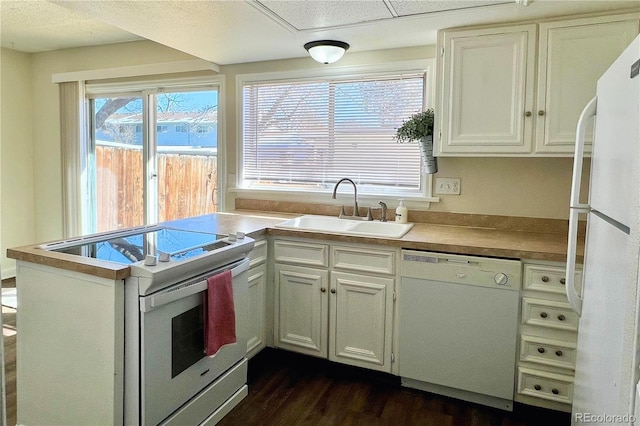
(347, 226)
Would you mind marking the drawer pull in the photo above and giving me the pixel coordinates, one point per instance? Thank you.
(562, 281)
(527, 114)
(537, 387)
(541, 350)
(323, 290)
(543, 314)
(559, 353)
(541, 113)
(561, 318)
(545, 279)
(555, 391)
(333, 291)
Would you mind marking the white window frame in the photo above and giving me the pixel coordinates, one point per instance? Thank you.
(144, 88)
(425, 66)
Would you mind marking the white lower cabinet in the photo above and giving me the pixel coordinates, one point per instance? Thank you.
(547, 339)
(339, 308)
(301, 309)
(257, 294)
(360, 320)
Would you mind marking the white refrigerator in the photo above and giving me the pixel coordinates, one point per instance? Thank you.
(607, 299)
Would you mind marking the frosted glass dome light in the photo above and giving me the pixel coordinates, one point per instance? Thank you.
(326, 51)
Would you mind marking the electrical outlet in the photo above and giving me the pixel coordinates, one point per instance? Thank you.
(449, 186)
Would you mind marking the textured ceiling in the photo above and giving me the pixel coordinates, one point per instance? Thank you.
(230, 32)
(37, 25)
(322, 14)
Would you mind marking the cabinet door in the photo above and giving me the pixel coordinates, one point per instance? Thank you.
(361, 310)
(256, 312)
(573, 55)
(301, 309)
(486, 101)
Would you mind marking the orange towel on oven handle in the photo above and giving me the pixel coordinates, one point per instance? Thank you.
(219, 313)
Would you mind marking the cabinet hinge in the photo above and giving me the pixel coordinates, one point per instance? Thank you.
(393, 357)
(442, 51)
(394, 296)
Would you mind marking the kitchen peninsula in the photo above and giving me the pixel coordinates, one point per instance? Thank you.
(540, 240)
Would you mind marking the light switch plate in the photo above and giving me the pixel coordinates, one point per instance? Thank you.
(448, 186)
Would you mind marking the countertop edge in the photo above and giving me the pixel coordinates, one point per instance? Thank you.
(464, 240)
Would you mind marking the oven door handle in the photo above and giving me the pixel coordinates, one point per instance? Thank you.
(154, 301)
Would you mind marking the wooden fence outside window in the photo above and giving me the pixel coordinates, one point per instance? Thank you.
(187, 186)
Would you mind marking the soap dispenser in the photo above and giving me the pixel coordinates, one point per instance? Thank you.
(401, 212)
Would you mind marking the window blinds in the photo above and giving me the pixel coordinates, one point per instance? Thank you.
(313, 133)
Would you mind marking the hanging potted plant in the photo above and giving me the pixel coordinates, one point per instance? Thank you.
(419, 127)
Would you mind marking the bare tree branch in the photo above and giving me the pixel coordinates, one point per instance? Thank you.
(110, 107)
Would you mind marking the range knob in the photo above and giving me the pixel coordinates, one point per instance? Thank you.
(501, 278)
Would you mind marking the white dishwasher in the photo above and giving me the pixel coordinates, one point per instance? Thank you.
(458, 322)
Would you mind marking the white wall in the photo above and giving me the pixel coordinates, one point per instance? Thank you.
(17, 202)
(529, 187)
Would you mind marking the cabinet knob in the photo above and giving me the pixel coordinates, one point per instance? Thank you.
(537, 387)
(541, 113)
(562, 281)
(541, 350)
(561, 318)
(545, 279)
(323, 290)
(333, 291)
(543, 314)
(555, 391)
(558, 353)
(527, 114)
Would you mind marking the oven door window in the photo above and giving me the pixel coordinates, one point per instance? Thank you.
(187, 340)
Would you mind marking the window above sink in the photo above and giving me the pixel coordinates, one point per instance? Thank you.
(301, 132)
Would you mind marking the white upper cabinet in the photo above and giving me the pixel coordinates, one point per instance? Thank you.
(487, 90)
(572, 57)
(491, 101)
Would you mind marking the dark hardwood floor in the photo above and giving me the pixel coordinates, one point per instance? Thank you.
(290, 389)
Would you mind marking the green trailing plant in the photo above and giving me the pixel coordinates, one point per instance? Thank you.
(416, 127)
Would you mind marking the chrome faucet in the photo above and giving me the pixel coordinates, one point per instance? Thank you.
(383, 213)
(355, 197)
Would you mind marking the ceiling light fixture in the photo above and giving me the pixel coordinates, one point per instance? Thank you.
(326, 51)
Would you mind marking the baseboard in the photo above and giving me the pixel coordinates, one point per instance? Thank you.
(8, 273)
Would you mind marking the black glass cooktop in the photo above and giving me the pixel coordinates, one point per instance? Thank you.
(131, 248)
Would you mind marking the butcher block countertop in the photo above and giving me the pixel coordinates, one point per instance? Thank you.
(480, 236)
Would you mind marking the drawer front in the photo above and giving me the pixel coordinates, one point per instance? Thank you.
(259, 253)
(364, 260)
(301, 253)
(547, 278)
(541, 384)
(547, 313)
(548, 352)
